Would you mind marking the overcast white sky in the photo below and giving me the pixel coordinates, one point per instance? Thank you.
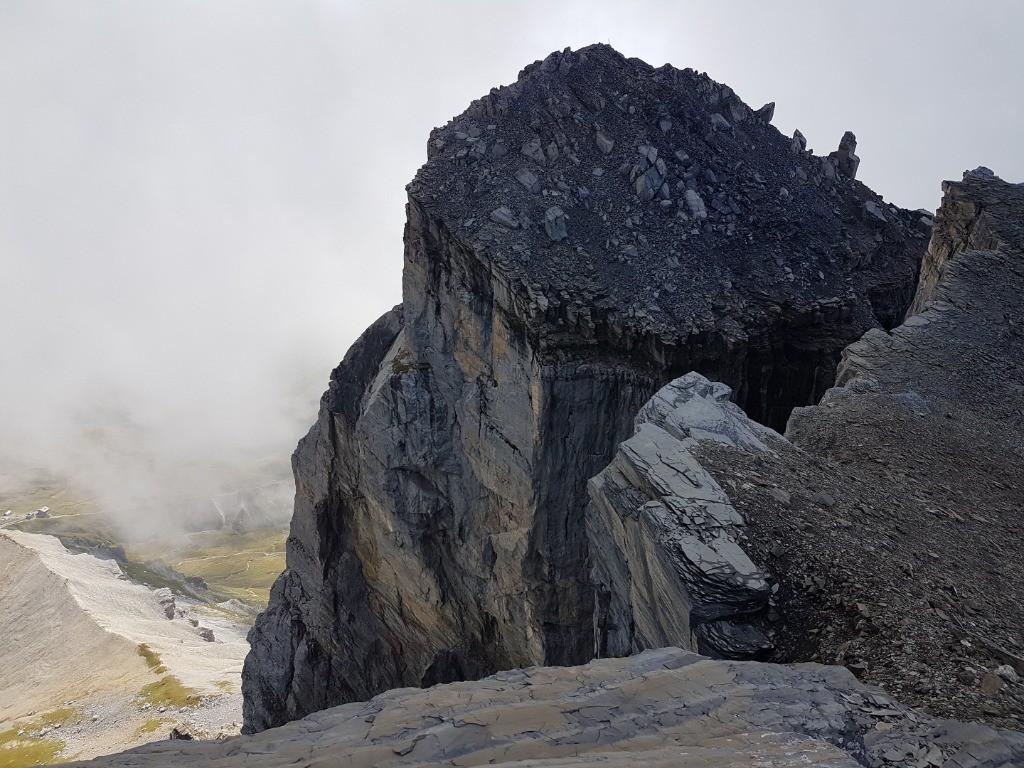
(201, 203)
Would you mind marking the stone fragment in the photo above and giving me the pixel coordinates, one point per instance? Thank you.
(823, 499)
(914, 402)
(533, 150)
(528, 179)
(504, 216)
(992, 684)
(848, 160)
(604, 143)
(719, 123)
(696, 205)
(1007, 673)
(648, 183)
(554, 224)
(167, 602)
(766, 113)
(875, 210)
(799, 142)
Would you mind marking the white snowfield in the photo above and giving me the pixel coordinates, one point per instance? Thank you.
(72, 623)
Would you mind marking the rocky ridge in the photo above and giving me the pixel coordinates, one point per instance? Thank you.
(575, 241)
(891, 524)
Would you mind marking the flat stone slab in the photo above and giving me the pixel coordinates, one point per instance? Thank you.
(660, 708)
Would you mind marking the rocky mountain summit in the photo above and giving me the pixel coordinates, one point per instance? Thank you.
(575, 241)
(650, 214)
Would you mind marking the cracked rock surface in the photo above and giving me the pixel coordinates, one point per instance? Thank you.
(575, 241)
(660, 708)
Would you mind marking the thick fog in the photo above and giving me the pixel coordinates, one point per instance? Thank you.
(201, 203)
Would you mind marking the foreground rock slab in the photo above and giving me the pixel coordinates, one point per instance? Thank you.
(661, 708)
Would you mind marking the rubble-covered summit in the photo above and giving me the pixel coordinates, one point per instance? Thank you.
(608, 186)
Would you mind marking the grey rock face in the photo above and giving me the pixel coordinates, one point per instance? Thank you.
(439, 529)
(963, 223)
(663, 535)
(663, 709)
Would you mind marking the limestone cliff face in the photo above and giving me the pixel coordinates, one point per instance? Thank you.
(575, 241)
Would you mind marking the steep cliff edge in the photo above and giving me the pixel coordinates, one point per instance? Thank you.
(575, 240)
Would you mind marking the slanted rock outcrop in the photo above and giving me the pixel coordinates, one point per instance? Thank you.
(575, 241)
(664, 539)
(665, 709)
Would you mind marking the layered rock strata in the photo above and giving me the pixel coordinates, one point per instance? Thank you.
(661, 708)
(575, 241)
(665, 542)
